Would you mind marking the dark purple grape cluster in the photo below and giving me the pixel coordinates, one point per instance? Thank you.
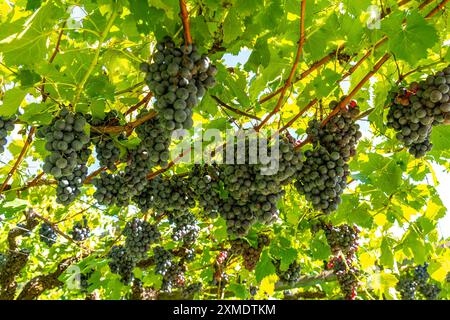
(108, 153)
(421, 275)
(254, 189)
(80, 230)
(140, 235)
(323, 177)
(203, 180)
(407, 287)
(6, 126)
(414, 111)
(416, 284)
(185, 227)
(347, 275)
(163, 260)
(249, 253)
(178, 77)
(155, 139)
(68, 144)
(173, 278)
(122, 263)
(342, 239)
(430, 291)
(109, 191)
(47, 234)
(166, 194)
(291, 275)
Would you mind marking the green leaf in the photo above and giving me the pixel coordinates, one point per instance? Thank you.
(239, 290)
(38, 114)
(13, 206)
(100, 87)
(410, 43)
(98, 109)
(389, 179)
(29, 47)
(141, 14)
(12, 101)
(319, 248)
(387, 254)
(33, 4)
(232, 27)
(415, 243)
(264, 267)
(260, 56)
(282, 250)
(27, 78)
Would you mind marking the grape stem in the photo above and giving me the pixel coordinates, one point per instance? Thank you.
(364, 58)
(293, 69)
(52, 57)
(186, 25)
(438, 8)
(344, 102)
(303, 75)
(425, 3)
(358, 87)
(128, 128)
(94, 61)
(24, 150)
(145, 100)
(330, 56)
(240, 112)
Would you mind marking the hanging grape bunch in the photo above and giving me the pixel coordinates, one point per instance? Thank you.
(173, 278)
(139, 235)
(135, 174)
(109, 191)
(342, 239)
(81, 230)
(163, 260)
(204, 183)
(185, 227)
(416, 283)
(407, 287)
(6, 126)
(323, 177)
(414, 111)
(121, 263)
(107, 151)
(249, 253)
(163, 194)
(253, 191)
(347, 275)
(47, 234)
(178, 77)
(155, 139)
(291, 274)
(68, 144)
